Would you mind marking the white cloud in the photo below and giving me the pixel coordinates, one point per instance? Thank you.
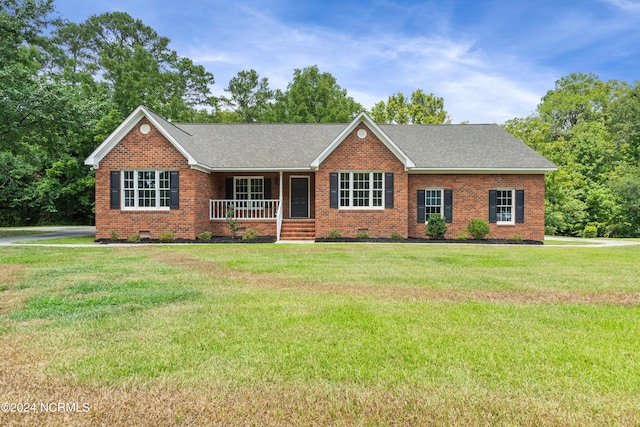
(475, 86)
(627, 5)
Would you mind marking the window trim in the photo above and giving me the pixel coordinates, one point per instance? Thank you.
(136, 190)
(251, 204)
(370, 190)
(512, 221)
(427, 206)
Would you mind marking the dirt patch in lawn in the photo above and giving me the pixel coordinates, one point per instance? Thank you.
(498, 296)
(11, 274)
(42, 398)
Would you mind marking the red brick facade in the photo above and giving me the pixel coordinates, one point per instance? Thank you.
(368, 154)
(152, 151)
(148, 152)
(470, 194)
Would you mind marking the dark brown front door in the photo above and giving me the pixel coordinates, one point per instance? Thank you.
(299, 198)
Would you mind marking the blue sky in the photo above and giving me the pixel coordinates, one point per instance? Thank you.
(490, 60)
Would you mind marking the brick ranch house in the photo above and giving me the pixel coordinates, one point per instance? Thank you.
(301, 181)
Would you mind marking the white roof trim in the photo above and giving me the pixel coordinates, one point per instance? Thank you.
(373, 127)
(249, 169)
(124, 128)
(444, 171)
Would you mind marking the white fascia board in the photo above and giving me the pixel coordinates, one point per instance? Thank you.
(478, 171)
(303, 169)
(367, 121)
(124, 128)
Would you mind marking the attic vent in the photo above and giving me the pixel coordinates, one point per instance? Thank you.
(362, 134)
(145, 129)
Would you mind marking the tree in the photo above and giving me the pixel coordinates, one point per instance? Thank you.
(314, 97)
(577, 98)
(250, 96)
(588, 128)
(136, 63)
(421, 109)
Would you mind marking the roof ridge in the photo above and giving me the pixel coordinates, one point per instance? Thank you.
(165, 120)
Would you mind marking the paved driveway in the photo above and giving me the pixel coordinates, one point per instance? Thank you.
(50, 233)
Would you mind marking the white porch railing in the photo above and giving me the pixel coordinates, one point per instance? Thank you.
(244, 209)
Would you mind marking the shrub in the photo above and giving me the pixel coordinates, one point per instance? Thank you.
(478, 228)
(590, 231)
(463, 235)
(250, 234)
(114, 235)
(204, 236)
(362, 234)
(550, 230)
(436, 227)
(166, 236)
(396, 236)
(233, 224)
(134, 238)
(516, 238)
(334, 234)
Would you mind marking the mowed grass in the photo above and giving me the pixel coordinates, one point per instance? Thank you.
(84, 240)
(324, 334)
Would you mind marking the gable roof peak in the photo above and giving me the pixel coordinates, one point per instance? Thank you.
(176, 136)
(364, 118)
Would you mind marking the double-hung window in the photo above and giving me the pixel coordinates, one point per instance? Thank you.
(250, 190)
(504, 206)
(433, 203)
(361, 190)
(147, 189)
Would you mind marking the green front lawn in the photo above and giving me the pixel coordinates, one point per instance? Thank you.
(326, 334)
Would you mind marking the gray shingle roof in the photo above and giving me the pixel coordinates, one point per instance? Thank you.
(259, 146)
(486, 146)
(295, 146)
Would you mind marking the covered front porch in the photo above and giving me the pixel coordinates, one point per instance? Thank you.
(280, 203)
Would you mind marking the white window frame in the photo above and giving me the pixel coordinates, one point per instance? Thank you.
(131, 186)
(427, 205)
(511, 207)
(251, 202)
(347, 193)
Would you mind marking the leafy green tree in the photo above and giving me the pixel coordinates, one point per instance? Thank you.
(136, 63)
(250, 96)
(421, 109)
(588, 128)
(313, 97)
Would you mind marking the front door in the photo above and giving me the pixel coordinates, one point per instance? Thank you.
(299, 198)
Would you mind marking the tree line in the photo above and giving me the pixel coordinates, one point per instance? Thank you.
(590, 129)
(64, 87)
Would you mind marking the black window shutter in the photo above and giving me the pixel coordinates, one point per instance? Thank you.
(519, 205)
(493, 210)
(333, 190)
(421, 210)
(114, 187)
(228, 183)
(388, 190)
(448, 206)
(174, 189)
(267, 188)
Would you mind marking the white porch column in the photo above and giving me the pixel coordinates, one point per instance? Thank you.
(280, 210)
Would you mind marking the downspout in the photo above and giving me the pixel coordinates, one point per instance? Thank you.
(279, 214)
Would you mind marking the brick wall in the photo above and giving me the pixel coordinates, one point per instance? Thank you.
(471, 200)
(152, 151)
(356, 154)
